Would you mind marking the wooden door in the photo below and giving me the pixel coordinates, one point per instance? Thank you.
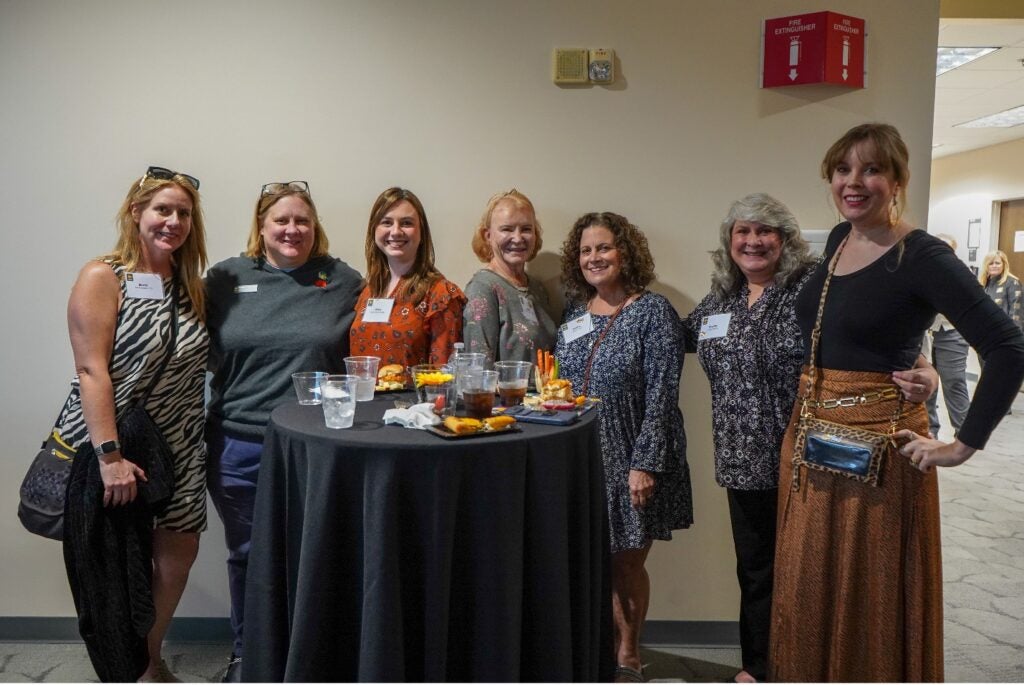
(1011, 220)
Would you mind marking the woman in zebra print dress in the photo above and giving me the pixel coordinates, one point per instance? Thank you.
(119, 320)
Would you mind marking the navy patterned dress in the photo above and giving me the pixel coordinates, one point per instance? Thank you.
(635, 372)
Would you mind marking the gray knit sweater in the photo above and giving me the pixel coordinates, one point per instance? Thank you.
(266, 324)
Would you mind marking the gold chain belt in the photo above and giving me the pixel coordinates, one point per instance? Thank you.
(855, 400)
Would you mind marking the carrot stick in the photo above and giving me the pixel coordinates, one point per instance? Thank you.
(540, 361)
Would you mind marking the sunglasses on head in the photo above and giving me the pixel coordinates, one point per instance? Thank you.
(284, 187)
(165, 174)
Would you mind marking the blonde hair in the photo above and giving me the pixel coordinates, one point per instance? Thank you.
(189, 260)
(378, 274)
(256, 246)
(481, 246)
(983, 276)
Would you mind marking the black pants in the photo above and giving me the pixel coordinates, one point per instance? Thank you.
(752, 513)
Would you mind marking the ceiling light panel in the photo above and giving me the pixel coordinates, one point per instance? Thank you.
(1004, 119)
(951, 58)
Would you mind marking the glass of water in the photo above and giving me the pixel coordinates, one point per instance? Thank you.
(338, 395)
(366, 369)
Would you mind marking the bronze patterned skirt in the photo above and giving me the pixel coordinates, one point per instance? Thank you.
(858, 569)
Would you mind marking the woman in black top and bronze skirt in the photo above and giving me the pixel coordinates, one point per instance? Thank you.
(748, 342)
(858, 568)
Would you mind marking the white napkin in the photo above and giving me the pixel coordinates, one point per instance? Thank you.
(417, 416)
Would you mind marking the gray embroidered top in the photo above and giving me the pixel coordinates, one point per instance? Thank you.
(504, 321)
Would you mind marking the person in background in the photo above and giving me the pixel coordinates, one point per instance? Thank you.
(748, 342)
(507, 315)
(408, 313)
(1002, 286)
(119, 318)
(624, 345)
(858, 568)
(285, 305)
(949, 356)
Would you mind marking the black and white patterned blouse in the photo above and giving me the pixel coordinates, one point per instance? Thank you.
(753, 370)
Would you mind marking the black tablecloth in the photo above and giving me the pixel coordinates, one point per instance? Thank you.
(381, 553)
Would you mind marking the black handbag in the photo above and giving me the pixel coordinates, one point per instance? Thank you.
(44, 488)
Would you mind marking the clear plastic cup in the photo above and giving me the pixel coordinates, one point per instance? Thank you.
(432, 381)
(307, 386)
(478, 392)
(339, 400)
(366, 369)
(513, 377)
(463, 362)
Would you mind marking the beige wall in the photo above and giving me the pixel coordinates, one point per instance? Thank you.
(970, 186)
(452, 99)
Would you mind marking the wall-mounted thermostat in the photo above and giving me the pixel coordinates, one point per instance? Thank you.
(570, 65)
(602, 65)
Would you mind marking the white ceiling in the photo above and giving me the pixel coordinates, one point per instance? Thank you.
(988, 85)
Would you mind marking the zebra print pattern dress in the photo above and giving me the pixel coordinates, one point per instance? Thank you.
(177, 401)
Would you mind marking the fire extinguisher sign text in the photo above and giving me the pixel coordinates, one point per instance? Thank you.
(821, 47)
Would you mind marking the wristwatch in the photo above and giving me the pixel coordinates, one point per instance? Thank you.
(106, 448)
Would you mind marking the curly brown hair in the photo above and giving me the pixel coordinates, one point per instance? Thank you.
(637, 268)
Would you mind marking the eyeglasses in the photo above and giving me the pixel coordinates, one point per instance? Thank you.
(165, 174)
(284, 187)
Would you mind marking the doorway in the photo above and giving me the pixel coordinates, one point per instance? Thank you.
(1011, 223)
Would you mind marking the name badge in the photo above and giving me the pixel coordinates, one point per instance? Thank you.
(715, 326)
(577, 328)
(378, 309)
(144, 286)
(251, 288)
(529, 313)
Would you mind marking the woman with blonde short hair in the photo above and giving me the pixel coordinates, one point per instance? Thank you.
(508, 314)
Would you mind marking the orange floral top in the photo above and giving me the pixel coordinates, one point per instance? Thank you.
(416, 334)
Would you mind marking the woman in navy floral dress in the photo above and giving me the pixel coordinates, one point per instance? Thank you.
(624, 345)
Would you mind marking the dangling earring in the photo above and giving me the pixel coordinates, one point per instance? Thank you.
(894, 210)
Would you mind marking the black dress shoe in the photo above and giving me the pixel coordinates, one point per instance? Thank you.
(234, 672)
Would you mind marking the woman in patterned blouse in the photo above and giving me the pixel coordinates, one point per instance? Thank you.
(747, 340)
(508, 316)
(416, 313)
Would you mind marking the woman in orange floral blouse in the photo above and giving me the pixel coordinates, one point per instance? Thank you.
(408, 313)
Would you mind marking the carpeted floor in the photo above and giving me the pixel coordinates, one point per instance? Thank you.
(983, 566)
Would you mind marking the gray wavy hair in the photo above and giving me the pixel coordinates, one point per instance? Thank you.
(795, 257)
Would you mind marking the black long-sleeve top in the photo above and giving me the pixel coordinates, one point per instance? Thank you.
(875, 318)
